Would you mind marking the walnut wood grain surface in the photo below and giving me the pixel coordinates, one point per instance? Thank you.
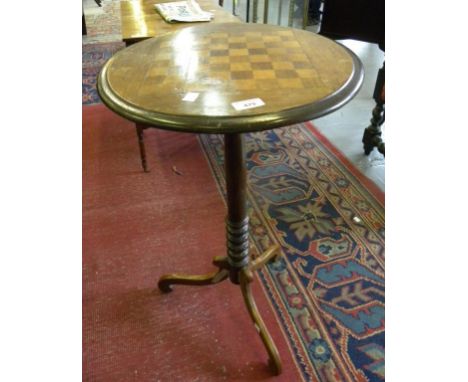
(140, 20)
(297, 74)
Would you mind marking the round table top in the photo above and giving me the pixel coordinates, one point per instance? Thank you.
(203, 78)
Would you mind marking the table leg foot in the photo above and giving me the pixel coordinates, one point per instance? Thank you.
(165, 282)
(246, 277)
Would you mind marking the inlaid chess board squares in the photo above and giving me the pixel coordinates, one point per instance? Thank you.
(218, 60)
(219, 52)
(245, 84)
(217, 41)
(274, 44)
(240, 66)
(242, 75)
(290, 83)
(255, 44)
(280, 73)
(266, 84)
(307, 73)
(299, 57)
(222, 75)
(220, 67)
(311, 83)
(225, 63)
(291, 44)
(218, 46)
(293, 51)
(249, 62)
(282, 65)
(239, 59)
(260, 58)
(283, 52)
(264, 74)
(234, 38)
(276, 51)
(279, 58)
(238, 52)
(256, 51)
(261, 65)
(237, 45)
(300, 64)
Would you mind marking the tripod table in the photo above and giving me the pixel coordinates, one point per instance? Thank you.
(231, 79)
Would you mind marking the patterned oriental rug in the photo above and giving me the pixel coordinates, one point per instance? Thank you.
(93, 58)
(323, 302)
(328, 291)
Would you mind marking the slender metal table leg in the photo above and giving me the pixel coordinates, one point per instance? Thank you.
(237, 265)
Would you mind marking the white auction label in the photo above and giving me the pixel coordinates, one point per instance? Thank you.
(248, 104)
(190, 97)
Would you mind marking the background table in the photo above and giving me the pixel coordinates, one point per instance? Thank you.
(141, 21)
(297, 75)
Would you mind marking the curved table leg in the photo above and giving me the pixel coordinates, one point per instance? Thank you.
(215, 277)
(271, 254)
(246, 277)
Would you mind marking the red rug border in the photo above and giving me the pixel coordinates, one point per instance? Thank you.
(368, 184)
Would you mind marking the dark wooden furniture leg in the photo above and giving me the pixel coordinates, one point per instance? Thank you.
(373, 135)
(237, 265)
(139, 130)
(83, 25)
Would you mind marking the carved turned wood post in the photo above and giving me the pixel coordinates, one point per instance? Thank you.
(237, 221)
(373, 134)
